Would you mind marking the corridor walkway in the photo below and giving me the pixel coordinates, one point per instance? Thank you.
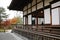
(11, 36)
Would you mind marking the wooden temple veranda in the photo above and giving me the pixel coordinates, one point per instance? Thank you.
(41, 19)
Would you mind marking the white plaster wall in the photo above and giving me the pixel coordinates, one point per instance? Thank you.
(55, 16)
(25, 8)
(40, 20)
(47, 16)
(25, 12)
(29, 11)
(47, 2)
(29, 5)
(56, 4)
(30, 19)
(59, 14)
(33, 8)
(40, 5)
(34, 2)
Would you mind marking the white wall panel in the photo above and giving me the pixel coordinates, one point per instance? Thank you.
(47, 16)
(40, 20)
(25, 12)
(56, 4)
(55, 16)
(40, 5)
(47, 2)
(59, 14)
(33, 8)
(29, 11)
(25, 8)
(34, 2)
(30, 19)
(29, 5)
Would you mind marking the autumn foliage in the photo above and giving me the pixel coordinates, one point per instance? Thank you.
(7, 23)
(13, 21)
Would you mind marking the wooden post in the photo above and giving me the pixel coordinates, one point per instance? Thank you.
(23, 19)
(50, 13)
(37, 22)
(36, 16)
(27, 15)
(43, 12)
(31, 12)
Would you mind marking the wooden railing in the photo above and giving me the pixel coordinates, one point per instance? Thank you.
(42, 32)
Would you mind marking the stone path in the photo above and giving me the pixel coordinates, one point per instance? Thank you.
(11, 36)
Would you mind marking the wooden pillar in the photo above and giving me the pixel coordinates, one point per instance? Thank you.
(36, 16)
(43, 5)
(31, 12)
(23, 19)
(37, 21)
(27, 15)
(43, 13)
(50, 13)
(26, 20)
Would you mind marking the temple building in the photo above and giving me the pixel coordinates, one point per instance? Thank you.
(40, 17)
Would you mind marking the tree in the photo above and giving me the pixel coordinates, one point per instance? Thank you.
(7, 23)
(3, 15)
(16, 20)
(13, 21)
(19, 20)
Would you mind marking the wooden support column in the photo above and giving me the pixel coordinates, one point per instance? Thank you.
(23, 19)
(37, 21)
(31, 12)
(36, 16)
(43, 13)
(27, 15)
(43, 5)
(50, 13)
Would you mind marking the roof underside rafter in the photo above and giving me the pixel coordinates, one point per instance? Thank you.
(19, 4)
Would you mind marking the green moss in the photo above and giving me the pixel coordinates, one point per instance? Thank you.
(1, 30)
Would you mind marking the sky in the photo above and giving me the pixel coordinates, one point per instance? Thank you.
(11, 13)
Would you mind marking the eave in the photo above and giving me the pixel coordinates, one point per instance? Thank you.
(18, 4)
